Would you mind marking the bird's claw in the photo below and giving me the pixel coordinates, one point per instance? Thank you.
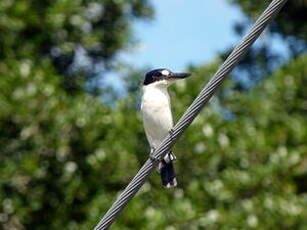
(152, 157)
(171, 133)
(172, 156)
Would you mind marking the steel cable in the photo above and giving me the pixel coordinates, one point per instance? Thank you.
(190, 114)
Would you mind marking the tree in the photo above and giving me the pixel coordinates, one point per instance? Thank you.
(58, 152)
(64, 157)
(80, 38)
(290, 21)
(261, 61)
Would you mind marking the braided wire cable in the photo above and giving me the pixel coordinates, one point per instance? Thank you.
(190, 114)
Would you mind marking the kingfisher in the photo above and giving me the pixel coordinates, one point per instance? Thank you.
(158, 119)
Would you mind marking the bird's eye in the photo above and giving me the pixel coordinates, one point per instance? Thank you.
(158, 74)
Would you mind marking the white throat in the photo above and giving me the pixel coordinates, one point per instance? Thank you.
(156, 89)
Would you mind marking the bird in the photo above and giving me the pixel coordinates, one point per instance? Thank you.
(157, 117)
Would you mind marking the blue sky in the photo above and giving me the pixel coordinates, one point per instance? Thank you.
(184, 32)
(181, 33)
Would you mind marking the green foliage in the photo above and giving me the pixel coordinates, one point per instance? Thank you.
(290, 21)
(55, 29)
(249, 172)
(65, 157)
(262, 59)
(58, 153)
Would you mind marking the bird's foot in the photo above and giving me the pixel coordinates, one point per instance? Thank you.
(171, 133)
(170, 157)
(151, 155)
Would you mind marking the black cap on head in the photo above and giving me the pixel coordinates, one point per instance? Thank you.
(162, 74)
(154, 75)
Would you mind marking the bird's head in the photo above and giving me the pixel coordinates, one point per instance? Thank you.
(162, 77)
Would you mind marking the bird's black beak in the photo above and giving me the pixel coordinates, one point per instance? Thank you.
(175, 76)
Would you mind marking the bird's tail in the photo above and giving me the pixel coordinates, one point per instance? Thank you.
(167, 172)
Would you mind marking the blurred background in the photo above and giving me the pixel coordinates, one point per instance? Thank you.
(71, 135)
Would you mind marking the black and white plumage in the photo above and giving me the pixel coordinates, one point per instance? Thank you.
(157, 117)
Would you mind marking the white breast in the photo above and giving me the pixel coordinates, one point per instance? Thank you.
(157, 115)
